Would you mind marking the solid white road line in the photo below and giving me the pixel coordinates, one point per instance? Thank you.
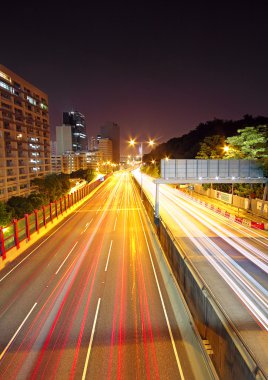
(16, 333)
(108, 256)
(91, 340)
(66, 258)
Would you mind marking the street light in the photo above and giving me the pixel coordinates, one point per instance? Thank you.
(151, 143)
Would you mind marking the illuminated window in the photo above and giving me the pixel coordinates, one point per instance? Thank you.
(5, 76)
(6, 87)
(43, 106)
(31, 100)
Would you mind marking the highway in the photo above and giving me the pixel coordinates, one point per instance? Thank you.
(231, 259)
(94, 299)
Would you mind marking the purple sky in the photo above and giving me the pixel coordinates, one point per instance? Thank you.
(157, 69)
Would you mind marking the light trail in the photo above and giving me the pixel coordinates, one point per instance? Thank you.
(222, 232)
(253, 295)
(163, 305)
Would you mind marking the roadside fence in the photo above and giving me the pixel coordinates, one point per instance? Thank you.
(19, 230)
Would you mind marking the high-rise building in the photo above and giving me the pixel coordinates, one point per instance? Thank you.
(24, 134)
(79, 136)
(106, 147)
(92, 144)
(53, 148)
(64, 139)
(112, 132)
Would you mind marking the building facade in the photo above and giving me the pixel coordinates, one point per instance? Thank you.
(64, 139)
(56, 164)
(106, 148)
(78, 125)
(112, 132)
(24, 134)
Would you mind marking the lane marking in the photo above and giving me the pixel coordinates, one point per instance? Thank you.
(115, 223)
(16, 333)
(108, 256)
(86, 227)
(163, 305)
(66, 258)
(91, 340)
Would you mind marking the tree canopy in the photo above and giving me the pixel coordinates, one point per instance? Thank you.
(211, 148)
(188, 145)
(53, 185)
(249, 143)
(5, 214)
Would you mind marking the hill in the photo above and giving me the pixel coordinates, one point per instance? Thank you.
(188, 145)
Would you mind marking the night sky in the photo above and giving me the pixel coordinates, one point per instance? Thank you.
(158, 69)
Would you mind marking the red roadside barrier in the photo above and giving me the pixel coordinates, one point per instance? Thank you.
(259, 226)
(238, 219)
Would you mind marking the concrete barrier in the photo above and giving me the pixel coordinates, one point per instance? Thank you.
(230, 356)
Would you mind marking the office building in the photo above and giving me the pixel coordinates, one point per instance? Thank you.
(112, 132)
(92, 143)
(106, 148)
(78, 126)
(24, 134)
(64, 139)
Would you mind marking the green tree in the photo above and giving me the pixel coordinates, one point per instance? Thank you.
(20, 206)
(151, 169)
(250, 143)
(86, 174)
(53, 185)
(38, 200)
(5, 215)
(211, 148)
(65, 182)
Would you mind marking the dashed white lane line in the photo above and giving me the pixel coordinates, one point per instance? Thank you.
(86, 227)
(66, 258)
(16, 333)
(91, 340)
(108, 256)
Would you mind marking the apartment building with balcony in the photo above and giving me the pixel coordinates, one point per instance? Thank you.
(24, 134)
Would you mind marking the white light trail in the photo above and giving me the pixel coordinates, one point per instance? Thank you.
(251, 292)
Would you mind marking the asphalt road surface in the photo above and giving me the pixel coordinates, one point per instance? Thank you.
(94, 300)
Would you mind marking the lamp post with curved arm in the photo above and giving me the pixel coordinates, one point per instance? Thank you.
(151, 143)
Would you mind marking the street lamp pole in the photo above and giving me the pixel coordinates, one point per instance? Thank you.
(150, 143)
(141, 169)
